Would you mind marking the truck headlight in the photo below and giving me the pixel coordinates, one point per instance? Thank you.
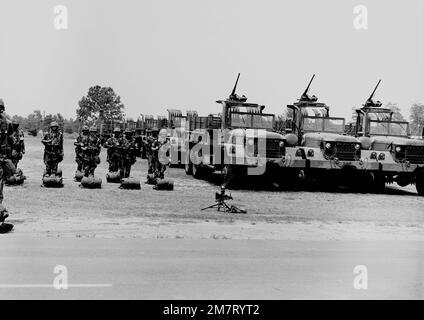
(373, 155)
(382, 156)
(398, 149)
(281, 144)
(328, 145)
(250, 142)
(311, 153)
(357, 146)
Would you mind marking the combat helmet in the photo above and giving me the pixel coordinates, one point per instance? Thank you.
(93, 129)
(54, 124)
(128, 131)
(117, 130)
(85, 128)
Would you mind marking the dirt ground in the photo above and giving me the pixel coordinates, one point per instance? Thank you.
(146, 213)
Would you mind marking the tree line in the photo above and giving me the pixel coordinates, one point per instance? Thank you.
(99, 105)
(103, 104)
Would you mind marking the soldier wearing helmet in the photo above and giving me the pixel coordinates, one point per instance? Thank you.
(18, 143)
(53, 148)
(128, 155)
(113, 150)
(78, 143)
(7, 169)
(91, 147)
(159, 153)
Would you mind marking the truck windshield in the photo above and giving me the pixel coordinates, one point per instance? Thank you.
(320, 124)
(388, 128)
(249, 120)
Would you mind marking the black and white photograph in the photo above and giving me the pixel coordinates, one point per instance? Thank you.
(211, 154)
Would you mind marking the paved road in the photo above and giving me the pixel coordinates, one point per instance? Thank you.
(209, 269)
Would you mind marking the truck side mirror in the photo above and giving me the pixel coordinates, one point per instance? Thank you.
(422, 134)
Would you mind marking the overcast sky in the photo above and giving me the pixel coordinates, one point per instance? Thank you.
(185, 54)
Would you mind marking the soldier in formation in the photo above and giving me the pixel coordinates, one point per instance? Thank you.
(128, 153)
(18, 144)
(7, 169)
(53, 151)
(159, 153)
(113, 150)
(79, 156)
(91, 147)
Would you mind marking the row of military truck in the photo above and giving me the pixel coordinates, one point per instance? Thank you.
(310, 147)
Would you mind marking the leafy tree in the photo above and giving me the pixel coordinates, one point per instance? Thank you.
(100, 104)
(397, 114)
(417, 119)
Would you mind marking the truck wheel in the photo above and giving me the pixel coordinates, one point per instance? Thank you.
(188, 166)
(420, 184)
(197, 171)
(378, 183)
(229, 176)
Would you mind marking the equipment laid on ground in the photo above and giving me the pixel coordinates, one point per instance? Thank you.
(91, 182)
(4, 227)
(53, 180)
(78, 176)
(130, 184)
(17, 179)
(113, 177)
(164, 184)
(220, 198)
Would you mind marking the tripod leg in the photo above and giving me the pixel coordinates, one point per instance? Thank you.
(211, 207)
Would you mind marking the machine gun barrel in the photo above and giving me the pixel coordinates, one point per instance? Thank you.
(372, 94)
(309, 85)
(235, 86)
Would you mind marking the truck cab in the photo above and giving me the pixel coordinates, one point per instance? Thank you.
(388, 143)
(239, 141)
(316, 141)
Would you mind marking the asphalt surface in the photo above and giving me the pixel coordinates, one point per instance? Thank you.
(209, 269)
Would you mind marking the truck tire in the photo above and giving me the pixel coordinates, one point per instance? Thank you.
(197, 171)
(420, 184)
(188, 166)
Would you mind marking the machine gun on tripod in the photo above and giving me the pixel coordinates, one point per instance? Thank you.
(221, 204)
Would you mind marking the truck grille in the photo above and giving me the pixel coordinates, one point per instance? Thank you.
(273, 149)
(344, 151)
(414, 154)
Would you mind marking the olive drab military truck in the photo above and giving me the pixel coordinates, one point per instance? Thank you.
(387, 144)
(240, 141)
(317, 146)
(176, 128)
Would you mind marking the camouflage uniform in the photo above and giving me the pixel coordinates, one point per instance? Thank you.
(91, 147)
(53, 151)
(113, 151)
(79, 157)
(18, 144)
(158, 150)
(128, 157)
(149, 154)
